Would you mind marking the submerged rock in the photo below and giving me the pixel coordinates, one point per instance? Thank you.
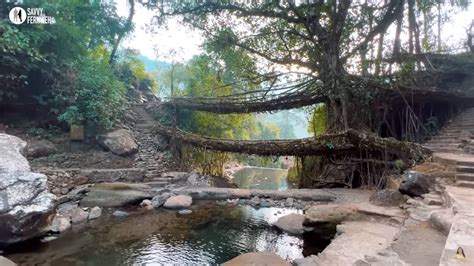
(120, 214)
(119, 141)
(25, 203)
(415, 184)
(257, 258)
(178, 202)
(387, 197)
(291, 223)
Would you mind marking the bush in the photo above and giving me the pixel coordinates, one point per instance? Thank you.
(99, 96)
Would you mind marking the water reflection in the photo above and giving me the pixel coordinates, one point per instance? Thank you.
(262, 178)
(212, 234)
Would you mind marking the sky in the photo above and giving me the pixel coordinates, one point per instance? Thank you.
(184, 43)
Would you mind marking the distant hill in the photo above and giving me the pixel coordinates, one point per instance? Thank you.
(152, 65)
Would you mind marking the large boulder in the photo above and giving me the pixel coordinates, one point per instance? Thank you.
(119, 141)
(387, 197)
(415, 184)
(6, 262)
(178, 202)
(257, 258)
(40, 148)
(291, 224)
(333, 214)
(26, 206)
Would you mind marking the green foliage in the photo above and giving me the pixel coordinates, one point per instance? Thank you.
(205, 161)
(19, 54)
(131, 70)
(293, 177)
(400, 166)
(318, 121)
(99, 94)
(63, 67)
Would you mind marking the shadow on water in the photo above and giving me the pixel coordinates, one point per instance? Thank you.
(212, 234)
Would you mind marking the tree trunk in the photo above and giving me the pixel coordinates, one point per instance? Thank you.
(397, 44)
(121, 34)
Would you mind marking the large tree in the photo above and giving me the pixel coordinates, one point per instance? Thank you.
(320, 40)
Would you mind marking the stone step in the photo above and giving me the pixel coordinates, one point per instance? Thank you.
(465, 177)
(461, 233)
(443, 140)
(444, 146)
(465, 169)
(466, 184)
(443, 150)
(157, 184)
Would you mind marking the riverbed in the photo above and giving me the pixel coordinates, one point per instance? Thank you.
(212, 234)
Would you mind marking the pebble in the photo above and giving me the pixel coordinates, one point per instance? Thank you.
(184, 212)
(64, 191)
(48, 238)
(95, 213)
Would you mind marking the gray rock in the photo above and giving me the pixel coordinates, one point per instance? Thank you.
(60, 224)
(257, 258)
(25, 203)
(255, 200)
(266, 203)
(48, 239)
(159, 200)
(387, 197)
(65, 209)
(120, 214)
(184, 212)
(442, 220)
(290, 201)
(415, 184)
(196, 180)
(79, 216)
(333, 214)
(119, 141)
(40, 148)
(113, 175)
(95, 213)
(291, 223)
(307, 261)
(6, 262)
(115, 195)
(147, 205)
(178, 202)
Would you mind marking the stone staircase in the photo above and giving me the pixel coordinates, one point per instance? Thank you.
(453, 151)
(453, 147)
(150, 156)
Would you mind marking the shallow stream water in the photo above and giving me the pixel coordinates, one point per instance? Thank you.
(212, 234)
(261, 178)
